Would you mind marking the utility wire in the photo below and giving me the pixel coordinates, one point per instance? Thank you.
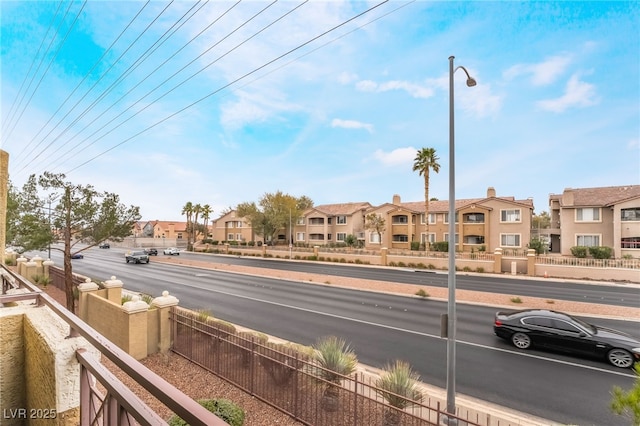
(13, 104)
(8, 136)
(78, 86)
(227, 85)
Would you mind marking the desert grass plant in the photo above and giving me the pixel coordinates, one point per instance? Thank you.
(516, 300)
(126, 298)
(422, 293)
(279, 362)
(627, 403)
(247, 341)
(147, 298)
(399, 386)
(43, 280)
(335, 359)
(227, 410)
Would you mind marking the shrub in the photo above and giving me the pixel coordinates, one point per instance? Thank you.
(399, 386)
(227, 410)
(126, 298)
(147, 298)
(422, 293)
(579, 251)
(516, 300)
(442, 246)
(600, 252)
(415, 245)
(480, 269)
(10, 262)
(466, 269)
(43, 280)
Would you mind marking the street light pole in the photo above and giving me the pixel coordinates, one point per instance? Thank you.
(451, 283)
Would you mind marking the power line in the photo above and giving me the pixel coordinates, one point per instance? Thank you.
(228, 85)
(78, 86)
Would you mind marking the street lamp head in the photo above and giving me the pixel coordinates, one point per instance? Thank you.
(471, 82)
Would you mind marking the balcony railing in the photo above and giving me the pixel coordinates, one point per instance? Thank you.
(119, 406)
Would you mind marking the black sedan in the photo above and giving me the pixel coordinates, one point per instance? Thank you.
(561, 332)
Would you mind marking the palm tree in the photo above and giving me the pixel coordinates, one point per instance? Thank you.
(426, 160)
(398, 385)
(336, 360)
(206, 214)
(187, 210)
(197, 209)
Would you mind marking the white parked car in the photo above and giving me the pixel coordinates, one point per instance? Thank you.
(171, 251)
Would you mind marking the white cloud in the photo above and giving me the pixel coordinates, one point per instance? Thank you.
(414, 90)
(351, 124)
(633, 144)
(347, 78)
(480, 101)
(542, 73)
(577, 94)
(396, 157)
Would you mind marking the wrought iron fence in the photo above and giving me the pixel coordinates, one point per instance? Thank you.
(286, 377)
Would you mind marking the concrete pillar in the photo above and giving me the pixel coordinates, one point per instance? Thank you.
(226, 248)
(30, 269)
(20, 264)
(45, 267)
(316, 251)
(114, 289)
(383, 256)
(83, 306)
(264, 250)
(531, 262)
(497, 261)
(38, 260)
(163, 305)
(137, 311)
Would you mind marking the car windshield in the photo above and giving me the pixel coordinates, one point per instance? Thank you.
(138, 253)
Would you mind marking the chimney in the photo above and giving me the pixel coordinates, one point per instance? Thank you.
(491, 192)
(396, 199)
(567, 197)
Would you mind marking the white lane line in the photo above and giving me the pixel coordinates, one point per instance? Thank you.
(418, 333)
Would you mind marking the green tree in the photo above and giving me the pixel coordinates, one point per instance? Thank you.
(376, 223)
(541, 221)
(82, 215)
(425, 161)
(350, 240)
(206, 215)
(273, 213)
(628, 402)
(27, 217)
(197, 209)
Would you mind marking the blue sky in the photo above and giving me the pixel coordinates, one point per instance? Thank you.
(235, 102)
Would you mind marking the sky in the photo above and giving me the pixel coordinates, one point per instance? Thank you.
(219, 103)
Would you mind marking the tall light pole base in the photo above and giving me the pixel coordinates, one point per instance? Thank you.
(446, 420)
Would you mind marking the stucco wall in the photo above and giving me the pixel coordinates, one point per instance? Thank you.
(108, 319)
(12, 383)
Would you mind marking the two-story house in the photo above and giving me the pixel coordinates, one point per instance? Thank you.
(591, 217)
(330, 223)
(165, 229)
(230, 227)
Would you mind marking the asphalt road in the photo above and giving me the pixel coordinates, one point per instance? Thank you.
(383, 327)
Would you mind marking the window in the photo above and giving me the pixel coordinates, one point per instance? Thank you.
(400, 238)
(432, 218)
(239, 224)
(588, 240)
(432, 237)
(316, 237)
(374, 238)
(300, 221)
(630, 214)
(565, 326)
(510, 215)
(316, 221)
(591, 214)
(538, 321)
(400, 219)
(230, 237)
(179, 235)
(341, 220)
(239, 237)
(473, 218)
(510, 240)
(341, 236)
(446, 237)
(329, 237)
(299, 236)
(446, 217)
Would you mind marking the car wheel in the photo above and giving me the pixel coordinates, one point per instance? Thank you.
(127, 260)
(620, 358)
(177, 254)
(521, 341)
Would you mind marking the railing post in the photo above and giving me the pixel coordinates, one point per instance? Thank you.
(163, 305)
(497, 261)
(531, 262)
(383, 256)
(136, 333)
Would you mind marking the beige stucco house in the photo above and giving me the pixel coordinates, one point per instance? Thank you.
(330, 223)
(165, 229)
(604, 216)
(230, 227)
(487, 223)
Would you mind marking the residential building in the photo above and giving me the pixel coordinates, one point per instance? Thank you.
(165, 229)
(487, 223)
(230, 227)
(603, 216)
(330, 223)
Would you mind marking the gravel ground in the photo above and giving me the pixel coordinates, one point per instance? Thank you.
(198, 383)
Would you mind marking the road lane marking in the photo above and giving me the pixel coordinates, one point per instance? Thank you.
(418, 333)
